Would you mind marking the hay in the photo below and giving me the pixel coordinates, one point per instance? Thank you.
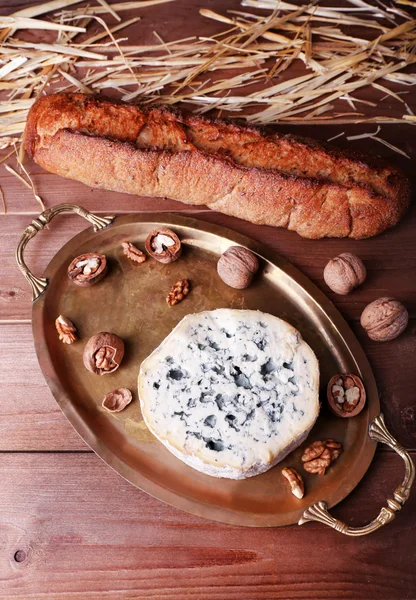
(250, 68)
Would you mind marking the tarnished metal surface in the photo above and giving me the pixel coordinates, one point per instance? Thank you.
(131, 302)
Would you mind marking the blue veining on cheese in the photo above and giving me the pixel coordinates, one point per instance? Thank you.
(231, 388)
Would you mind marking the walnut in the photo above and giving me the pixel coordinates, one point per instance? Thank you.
(320, 464)
(344, 273)
(133, 253)
(103, 353)
(335, 448)
(163, 245)
(87, 269)
(319, 455)
(237, 267)
(346, 395)
(313, 451)
(384, 319)
(117, 400)
(66, 330)
(178, 292)
(295, 481)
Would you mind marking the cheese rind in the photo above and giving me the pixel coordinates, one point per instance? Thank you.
(230, 392)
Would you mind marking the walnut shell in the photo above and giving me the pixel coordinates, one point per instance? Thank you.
(384, 319)
(87, 269)
(344, 273)
(346, 395)
(237, 267)
(163, 245)
(117, 400)
(103, 353)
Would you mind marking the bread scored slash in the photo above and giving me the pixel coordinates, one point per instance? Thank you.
(266, 178)
(230, 392)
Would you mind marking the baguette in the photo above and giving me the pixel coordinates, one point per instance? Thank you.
(279, 180)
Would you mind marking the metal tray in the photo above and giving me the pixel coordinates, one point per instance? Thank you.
(130, 301)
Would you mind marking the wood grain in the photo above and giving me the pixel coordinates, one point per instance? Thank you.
(174, 21)
(54, 190)
(85, 533)
(72, 529)
(390, 258)
(31, 420)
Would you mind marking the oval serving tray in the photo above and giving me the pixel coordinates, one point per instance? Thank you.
(131, 302)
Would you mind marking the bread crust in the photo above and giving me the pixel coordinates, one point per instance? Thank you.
(271, 179)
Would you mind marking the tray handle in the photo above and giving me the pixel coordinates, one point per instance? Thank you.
(378, 432)
(39, 284)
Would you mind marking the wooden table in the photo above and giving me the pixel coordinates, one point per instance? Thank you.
(71, 528)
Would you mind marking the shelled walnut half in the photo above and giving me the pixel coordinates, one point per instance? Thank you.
(133, 253)
(295, 480)
(319, 455)
(87, 269)
(346, 395)
(163, 245)
(67, 331)
(103, 353)
(178, 292)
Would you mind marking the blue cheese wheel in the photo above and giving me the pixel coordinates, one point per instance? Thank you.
(230, 392)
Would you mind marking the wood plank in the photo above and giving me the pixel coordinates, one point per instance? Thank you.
(393, 367)
(31, 420)
(81, 532)
(54, 190)
(176, 23)
(389, 259)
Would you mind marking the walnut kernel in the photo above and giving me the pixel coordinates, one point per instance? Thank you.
(87, 269)
(384, 319)
(103, 353)
(344, 273)
(295, 481)
(346, 395)
(319, 455)
(320, 464)
(67, 331)
(133, 253)
(178, 292)
(313, 450)
(163, 245)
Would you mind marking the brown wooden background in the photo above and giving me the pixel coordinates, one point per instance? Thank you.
(71, 528)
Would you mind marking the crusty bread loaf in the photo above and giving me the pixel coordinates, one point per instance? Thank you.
(270, 179)
(230, 392)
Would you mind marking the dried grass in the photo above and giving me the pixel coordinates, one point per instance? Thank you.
(374, 136)
(291, 64)
(19, 177)
(3, 201)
